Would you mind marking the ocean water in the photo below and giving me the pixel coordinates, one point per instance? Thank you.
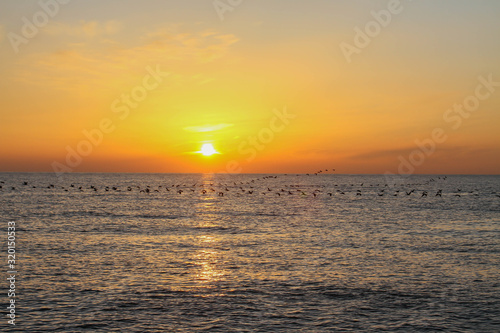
(255, 253)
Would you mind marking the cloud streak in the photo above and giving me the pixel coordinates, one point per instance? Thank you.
(87, 29)
(2, 33)
(101, 61)
(207, 128)
(394, 153)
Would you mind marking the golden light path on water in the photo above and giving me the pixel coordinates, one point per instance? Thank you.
(208, 257)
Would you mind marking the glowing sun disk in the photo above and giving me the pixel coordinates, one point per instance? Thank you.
(208, 149)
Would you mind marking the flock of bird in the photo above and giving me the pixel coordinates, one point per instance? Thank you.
(257, 186)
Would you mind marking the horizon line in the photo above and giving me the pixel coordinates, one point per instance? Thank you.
(263, 173)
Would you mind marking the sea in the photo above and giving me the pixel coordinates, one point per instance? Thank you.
(251, 253)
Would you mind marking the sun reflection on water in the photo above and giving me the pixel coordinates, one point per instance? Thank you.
(208, 258)
(209, 262)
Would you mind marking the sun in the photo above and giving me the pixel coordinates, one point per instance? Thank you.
(208, 149)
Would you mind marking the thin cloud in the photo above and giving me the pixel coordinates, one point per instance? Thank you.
(77, 64)
(394, 153)
(2, 33)
(207, 128)
(316, 151)
(87, 29)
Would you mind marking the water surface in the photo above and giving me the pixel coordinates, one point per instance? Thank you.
(254, 253)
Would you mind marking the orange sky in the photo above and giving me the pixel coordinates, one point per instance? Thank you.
(270, 87)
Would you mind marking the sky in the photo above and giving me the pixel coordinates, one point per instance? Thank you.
(269, 86)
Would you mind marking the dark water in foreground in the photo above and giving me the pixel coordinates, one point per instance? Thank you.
(131, 261)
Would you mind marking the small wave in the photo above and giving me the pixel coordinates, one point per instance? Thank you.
(69, 214)
(215, 228)
(90, 213)
(162, 217)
